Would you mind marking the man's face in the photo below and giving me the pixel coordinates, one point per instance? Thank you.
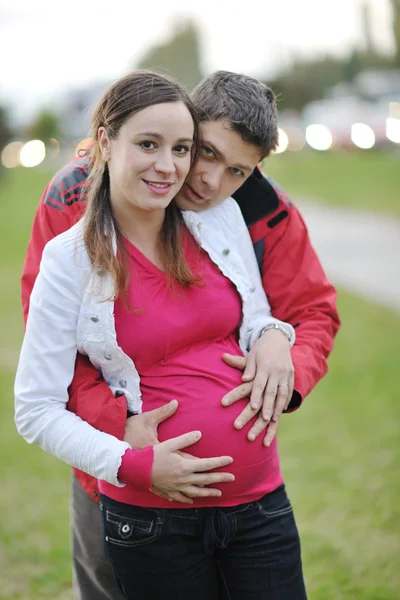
(225, 162)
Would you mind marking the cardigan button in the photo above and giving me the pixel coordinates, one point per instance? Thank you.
(95, 319)
(123, 383)
(226, 252)
(252, 290)
(107, 355)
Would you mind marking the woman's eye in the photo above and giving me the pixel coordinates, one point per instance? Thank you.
(147, 145)
(207, 152)
(182, 150)
(237, 172)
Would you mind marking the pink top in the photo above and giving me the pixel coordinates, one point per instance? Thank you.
(176, 341)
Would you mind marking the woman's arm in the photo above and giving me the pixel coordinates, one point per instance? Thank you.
(47, 363)
(45, 370)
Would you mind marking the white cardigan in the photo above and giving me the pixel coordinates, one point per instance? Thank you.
(67, 314)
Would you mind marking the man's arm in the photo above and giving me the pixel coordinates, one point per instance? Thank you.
(294, 281)
(300, 293)
(61, 205)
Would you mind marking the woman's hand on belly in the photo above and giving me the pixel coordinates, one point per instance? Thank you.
(177, 474)
(142, 430)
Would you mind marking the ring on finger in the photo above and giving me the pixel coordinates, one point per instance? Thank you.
(285, 385)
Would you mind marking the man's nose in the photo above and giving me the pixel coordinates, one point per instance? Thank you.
(212, 178)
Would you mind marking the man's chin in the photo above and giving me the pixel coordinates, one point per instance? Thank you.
(185, 204)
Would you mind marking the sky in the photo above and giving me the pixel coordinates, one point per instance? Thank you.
(50, 46)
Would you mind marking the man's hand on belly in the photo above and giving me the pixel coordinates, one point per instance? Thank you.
(267, 380)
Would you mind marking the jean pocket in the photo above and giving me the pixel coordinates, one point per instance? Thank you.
(128, 532)
(274, 505)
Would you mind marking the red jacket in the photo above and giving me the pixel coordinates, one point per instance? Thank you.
(293, 279)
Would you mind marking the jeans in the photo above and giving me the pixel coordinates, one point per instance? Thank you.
(175, 554)
(93, 575)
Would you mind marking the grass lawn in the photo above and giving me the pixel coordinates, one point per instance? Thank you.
(364, 180)
(340, 453)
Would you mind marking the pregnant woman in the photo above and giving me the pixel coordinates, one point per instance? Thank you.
(154, 299)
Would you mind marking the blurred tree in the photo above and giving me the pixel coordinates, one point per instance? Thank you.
(5, 132)
(396, 29)
(44, 127)
(306, 81)
(367, 26)
(179, 56)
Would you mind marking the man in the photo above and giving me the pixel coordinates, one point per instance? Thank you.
(238, 128)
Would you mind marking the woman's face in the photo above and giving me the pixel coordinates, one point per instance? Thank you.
(150, 158)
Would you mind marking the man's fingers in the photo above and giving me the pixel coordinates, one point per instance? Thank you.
(183, 441)
(158, 415)
(238, 362)
(242, 391)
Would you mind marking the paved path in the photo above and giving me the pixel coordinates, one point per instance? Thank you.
(359, 251)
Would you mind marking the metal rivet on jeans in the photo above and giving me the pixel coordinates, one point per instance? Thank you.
(125, 528)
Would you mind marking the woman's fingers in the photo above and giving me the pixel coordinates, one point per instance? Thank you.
(238, 393)
(200, 465)
(270, 393)
(194, 491)
(211, 478)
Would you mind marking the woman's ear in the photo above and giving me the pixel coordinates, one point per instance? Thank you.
(104, 144)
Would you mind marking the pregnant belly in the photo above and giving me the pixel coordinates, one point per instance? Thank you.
(255, 467)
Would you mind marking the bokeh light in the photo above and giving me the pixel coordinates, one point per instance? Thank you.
(10, 155)
(362, 135)
(283, 141)
(32, 153)
(318, 137)
(296, 138)
(393, 130)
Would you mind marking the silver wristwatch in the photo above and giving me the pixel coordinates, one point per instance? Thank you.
(280, 327)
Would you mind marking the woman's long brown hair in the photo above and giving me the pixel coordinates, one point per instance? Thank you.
(128, 95)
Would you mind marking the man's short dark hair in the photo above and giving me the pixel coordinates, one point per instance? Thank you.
(245, 102)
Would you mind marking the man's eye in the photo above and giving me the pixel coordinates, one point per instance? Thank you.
(207, 152)
(237, 172)
(182, 150)
(147, 145)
